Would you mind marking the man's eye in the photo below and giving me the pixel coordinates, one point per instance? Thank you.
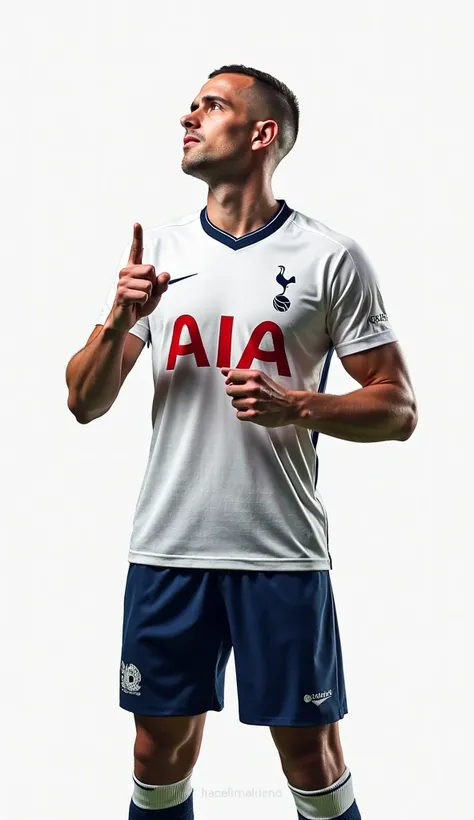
(215, 103)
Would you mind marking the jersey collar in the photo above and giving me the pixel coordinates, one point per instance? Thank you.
(236, 243)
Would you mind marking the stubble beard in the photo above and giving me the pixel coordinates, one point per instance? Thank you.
(212, 170)
(200, 166)
(195, 167)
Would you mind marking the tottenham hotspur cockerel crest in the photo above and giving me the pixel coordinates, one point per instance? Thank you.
(281, 302)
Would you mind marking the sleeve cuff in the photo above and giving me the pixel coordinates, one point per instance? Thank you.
(365, 343)
(141, 332)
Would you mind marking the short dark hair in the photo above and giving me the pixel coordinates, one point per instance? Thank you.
(276, 100)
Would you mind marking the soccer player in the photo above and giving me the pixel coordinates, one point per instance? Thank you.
(243, 304)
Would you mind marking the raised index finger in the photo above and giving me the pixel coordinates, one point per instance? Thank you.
(136, 251)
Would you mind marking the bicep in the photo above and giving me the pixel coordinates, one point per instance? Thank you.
(384, 364)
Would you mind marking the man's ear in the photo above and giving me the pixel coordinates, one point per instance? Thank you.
(266, 132)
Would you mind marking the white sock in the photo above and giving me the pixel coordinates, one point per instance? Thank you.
(161, 797)
(325, 804)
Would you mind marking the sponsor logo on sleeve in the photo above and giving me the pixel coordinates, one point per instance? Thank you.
(379, 317)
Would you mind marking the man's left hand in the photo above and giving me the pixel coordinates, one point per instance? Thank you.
(258, 398)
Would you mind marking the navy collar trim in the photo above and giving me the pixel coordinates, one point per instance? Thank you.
(236, 243)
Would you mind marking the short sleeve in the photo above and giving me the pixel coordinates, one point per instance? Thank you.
(356, 318)
(142, 327)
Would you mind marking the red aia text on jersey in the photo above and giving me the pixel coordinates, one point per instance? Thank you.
(251, 350)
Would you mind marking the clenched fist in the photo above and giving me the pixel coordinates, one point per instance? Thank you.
(139, 289)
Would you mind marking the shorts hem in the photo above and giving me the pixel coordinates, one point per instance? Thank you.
(190, 712)
(282, 721)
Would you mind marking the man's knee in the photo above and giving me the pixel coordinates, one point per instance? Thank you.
(167, 748)
(311, 757)
(312, 760)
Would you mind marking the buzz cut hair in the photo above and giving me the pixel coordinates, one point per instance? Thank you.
(271, 99)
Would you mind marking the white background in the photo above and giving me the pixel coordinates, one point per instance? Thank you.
(92, 143)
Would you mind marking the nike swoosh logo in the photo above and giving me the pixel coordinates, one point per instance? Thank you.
(180, 279)
(320, 701)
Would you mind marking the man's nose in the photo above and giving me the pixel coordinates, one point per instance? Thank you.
(189, 121)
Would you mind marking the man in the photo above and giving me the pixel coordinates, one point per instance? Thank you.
(229, 546)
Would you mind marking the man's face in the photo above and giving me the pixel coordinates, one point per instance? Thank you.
(219, 119)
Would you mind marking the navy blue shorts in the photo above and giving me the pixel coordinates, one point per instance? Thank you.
(181, 624)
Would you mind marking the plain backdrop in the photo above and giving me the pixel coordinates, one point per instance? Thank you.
(91, 143)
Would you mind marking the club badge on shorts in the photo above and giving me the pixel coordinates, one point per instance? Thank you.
(130, 679)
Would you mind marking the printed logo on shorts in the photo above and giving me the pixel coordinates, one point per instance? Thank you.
(318, 698)
(130, 679)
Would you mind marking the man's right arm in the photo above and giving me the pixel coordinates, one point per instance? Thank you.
(96, 373)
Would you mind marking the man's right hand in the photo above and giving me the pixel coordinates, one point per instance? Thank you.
(139, 289)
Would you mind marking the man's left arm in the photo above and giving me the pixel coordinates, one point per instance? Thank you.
(383, 409)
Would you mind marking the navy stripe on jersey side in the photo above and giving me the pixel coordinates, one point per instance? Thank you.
(235, 242)
(321, 389)
(315, 433)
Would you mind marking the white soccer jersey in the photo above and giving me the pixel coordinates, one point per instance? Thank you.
(219, 492)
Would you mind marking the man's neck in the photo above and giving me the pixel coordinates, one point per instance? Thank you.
(239, 212)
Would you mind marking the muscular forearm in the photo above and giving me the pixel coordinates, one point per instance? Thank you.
(379, 412)
(94, 375)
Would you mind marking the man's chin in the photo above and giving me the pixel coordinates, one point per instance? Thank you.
(209, 169)
(193, 169)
